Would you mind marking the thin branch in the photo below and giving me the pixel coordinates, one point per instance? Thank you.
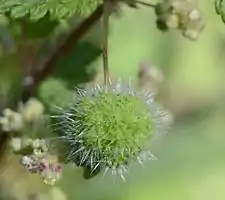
(134, 4)
(105, 23)
(145, 4)
(3, 143)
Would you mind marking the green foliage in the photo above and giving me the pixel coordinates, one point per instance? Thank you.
(220, 8)
(11, 76)
(34, 29)
(74, 69)
(53, 92)
(77, 66)
(37, 9)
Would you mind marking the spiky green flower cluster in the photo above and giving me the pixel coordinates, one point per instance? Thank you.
(182, 15)
(37, 9)
(109, 127)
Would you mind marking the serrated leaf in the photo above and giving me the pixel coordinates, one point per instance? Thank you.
(9, 4)
(52, 4)
(19, 11)
(59, 9)
(38, 12)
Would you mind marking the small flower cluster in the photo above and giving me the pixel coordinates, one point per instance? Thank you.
(36, 158)
(47, 167)
(14, 121)
(180, 14)
(38, 147)
(35, 152)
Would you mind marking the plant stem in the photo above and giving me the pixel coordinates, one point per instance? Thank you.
(105, 23)
(3, 143)
(145, 4)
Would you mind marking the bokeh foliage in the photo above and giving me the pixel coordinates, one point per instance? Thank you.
(191, 158)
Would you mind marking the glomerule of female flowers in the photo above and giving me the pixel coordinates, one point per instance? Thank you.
(110, 127)
(35, 155)
(38, 160)
(14, 121)
(183, 15)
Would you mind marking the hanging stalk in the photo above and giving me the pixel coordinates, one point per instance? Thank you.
(105, 23)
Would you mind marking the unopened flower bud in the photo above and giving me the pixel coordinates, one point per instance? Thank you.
(32, 110)
(11, 121)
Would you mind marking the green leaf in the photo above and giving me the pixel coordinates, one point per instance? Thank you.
(220, 8)
(5, 5)
(38, 12)
(49, 92)
(34, 29)
(19, 11)
(41, 28)
(61, 11)
(78, 66)
(36, 9)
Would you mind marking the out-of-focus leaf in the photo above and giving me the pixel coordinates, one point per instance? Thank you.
(76, 67)
(220, 8)
(19, 11)
(42, 28)
(38, 12)
(34, 29)
(53, 92)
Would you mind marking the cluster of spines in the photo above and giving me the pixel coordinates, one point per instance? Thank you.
(93, 158)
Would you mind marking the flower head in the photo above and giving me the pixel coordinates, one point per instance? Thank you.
(32, 110)
(182, 15)
(11, 120)
(108, 127)
(48, 167)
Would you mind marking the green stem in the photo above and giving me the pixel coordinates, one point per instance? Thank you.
(134, 4)
(145, 4)
(105, 23)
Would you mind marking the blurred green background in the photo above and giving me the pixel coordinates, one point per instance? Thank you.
(191, 157)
